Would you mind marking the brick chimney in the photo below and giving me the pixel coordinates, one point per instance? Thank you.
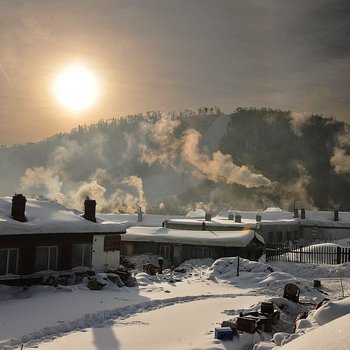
(258, 217)
(302, 213)
(336, 215)
(90, 209)
(231, 217)
(238, 218)
(207, 217)
(18, 208)
(139, 215)
(296, 213)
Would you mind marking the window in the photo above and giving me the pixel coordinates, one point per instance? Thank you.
(201, 252)
(296, 235)
(46, 258)
(8, 261)
(81, 255)
(270, 237)
(164, 251)
(279, 236)
(289, 236)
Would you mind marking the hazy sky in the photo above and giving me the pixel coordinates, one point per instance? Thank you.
(171, 55)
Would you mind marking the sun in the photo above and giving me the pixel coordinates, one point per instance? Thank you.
(76, 88)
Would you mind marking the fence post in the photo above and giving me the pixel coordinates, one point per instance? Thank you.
(300, 256)
(338, 255)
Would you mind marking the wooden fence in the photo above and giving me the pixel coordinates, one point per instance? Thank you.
(309, 254)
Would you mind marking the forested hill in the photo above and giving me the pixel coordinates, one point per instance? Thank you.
(251, 159)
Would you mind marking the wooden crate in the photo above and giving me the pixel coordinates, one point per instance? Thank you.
(246, 324)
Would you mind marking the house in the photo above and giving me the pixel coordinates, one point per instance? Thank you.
(300, 226)
(273, 224)
(38, 235)
(150, 234)
(325, 226)
(177, 245)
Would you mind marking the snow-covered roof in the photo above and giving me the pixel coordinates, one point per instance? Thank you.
(131, 219)
(50, 217)
(208, 238)
(326, 219)
(198, 213)
(271, 216)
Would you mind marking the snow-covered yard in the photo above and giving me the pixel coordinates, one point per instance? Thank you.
(171, 311)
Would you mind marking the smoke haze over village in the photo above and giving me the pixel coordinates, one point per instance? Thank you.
(135, 57)
(167, 162)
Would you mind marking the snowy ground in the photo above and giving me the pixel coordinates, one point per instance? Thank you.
(168, 311)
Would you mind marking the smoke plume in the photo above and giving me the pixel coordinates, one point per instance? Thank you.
(57, 181)
(161, 134)
(219, 167)
(340, 161)
(293, 191)
(136, 182)
(297, 121)
(43, 179)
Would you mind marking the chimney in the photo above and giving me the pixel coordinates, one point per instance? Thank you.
(238, 218)
(18, 208)
(139, 215)
(258, 217)
(207, 217)
(231, 217)
(90, 209)
(296, 213)
(336, 215)
(302, 213)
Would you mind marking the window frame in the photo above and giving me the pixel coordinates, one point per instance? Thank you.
(279, 236)
(8, 260)
(84, 245)
(48, 257)
(166, 248)
(202, 250)
(270, 237)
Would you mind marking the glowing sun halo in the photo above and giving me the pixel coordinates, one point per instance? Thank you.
(76, 88)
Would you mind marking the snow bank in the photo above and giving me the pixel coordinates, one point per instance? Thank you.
(313, 270)
(227, 267)
(316, 247)
(196, 263)
(332, 310)
(257, 275)
(334, 335)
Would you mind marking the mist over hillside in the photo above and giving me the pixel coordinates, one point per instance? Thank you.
(250, 159)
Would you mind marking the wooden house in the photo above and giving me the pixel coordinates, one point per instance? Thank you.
(177, 246)
(37, 235)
